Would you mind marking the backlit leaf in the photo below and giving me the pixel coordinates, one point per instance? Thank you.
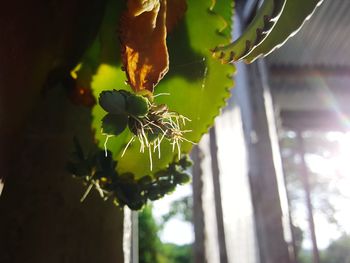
(294, 15)
(196, 85)
(254, 34)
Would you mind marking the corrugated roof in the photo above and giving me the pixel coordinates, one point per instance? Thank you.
(323, 41)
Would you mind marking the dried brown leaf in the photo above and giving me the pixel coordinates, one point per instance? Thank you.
(143, 40)
(176, 10)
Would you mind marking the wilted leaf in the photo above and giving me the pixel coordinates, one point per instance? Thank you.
(143, 40)
(137, 7)
(176, 10)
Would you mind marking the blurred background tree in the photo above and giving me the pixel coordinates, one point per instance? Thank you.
(151, 248)
(319, 150)
(338, 251)
(149, 242)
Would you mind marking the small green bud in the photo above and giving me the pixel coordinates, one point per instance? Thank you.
(182, 178)
(185, 162)
(145, 180)
(137, 105)
(113, 124)
(112, 101)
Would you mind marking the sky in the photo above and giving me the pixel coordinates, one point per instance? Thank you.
(175, 231)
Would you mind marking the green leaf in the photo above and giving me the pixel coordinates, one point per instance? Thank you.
(197, 83)
(112, 102)
(293, 17)
(254, 34)
(114, 124)
(137, 105)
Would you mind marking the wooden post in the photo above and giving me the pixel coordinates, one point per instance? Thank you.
(198, 213)
(42, 219)
(217, 196)
(265, 170)
(264, 163)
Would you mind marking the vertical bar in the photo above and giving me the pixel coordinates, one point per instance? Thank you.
(135, 237)
(130, 236)
(265, 167)
(1, 184)
(198, 213)
(206, 231)
(265, 171)
(217, 196)
(306, 185)
(127, 235)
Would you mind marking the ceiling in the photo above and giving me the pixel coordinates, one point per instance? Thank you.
(311, 72)
(324, 40)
